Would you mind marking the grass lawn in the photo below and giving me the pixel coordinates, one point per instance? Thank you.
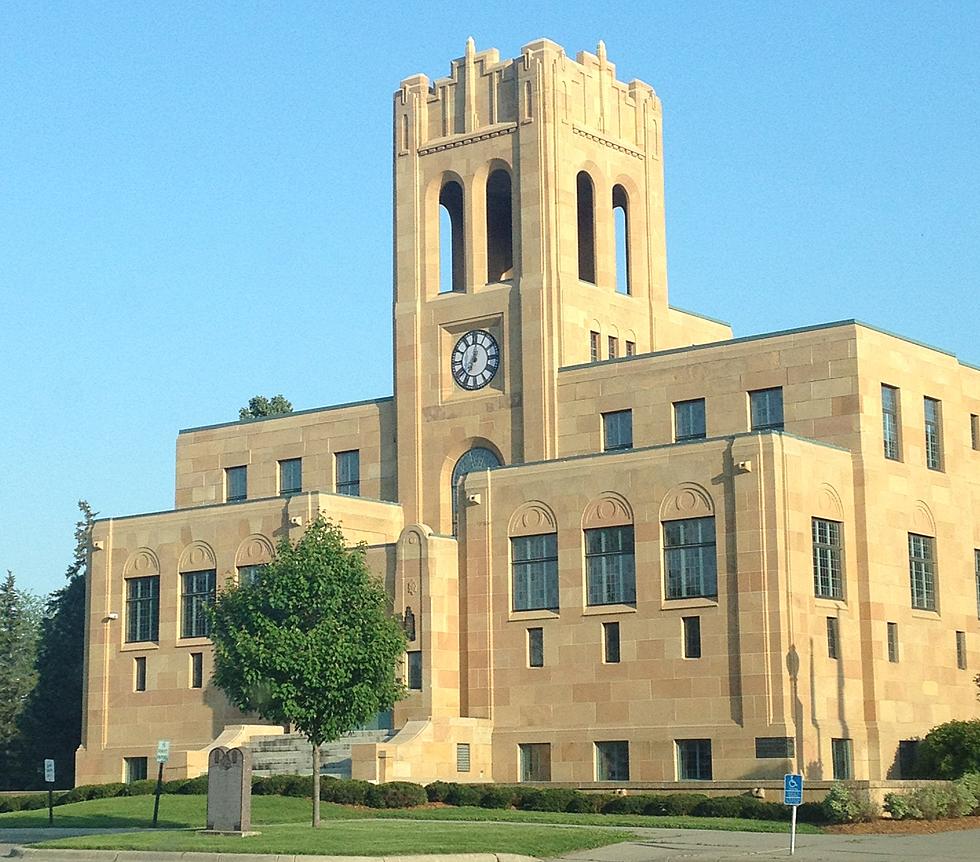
(367, 838)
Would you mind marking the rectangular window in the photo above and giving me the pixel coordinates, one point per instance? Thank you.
(349, 473)
(690, 559)
(833, 637)
(139, 673)
(535, 761)
(462, 757)
(613, 347)
(907, 750)
(689, 421)
(610, 643)
(534, 565)
(248, 575)
(961, 650)
(617, 430)
(415, 670)
(893, 642)
(535, 647)
(842, 753)
(922, 571)
(135, 769)
(236, 484)
(890, 425)
(766, 409)
(774, 747)
(612, 761)
(610, 568)
(933, 411)
(198, 596)
(143, 609)
(197, 670)
(827, 580)
(290, 476)
(631, 348)
(692, 636)
(975, 431)
(594, 346)
(693, 759)
(976, 564)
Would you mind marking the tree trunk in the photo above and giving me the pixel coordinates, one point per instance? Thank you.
(316, 785)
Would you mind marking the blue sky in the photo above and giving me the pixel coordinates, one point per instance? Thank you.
(195, 203)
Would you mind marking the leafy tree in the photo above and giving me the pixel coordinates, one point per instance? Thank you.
(949, 750)
(260, 406)
(311, 642)
(51, 723)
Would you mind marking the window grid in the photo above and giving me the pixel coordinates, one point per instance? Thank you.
(631, 348)
(889, 422)
(610, 565)
(828, 582)
(617, 430)
(613, 347)
(843, 758)
(975, 431)
(135, 769)
(610, 642)
(462, 757)
(692, 636)
(143, 609)
(198, 596)
(535, 761)
(976, 563)
(415, 670)
(236, 484)
(348, 466)
(534, 566)
(612, 761)
(197, 670)
(690, 558)
(535, 647)
(833, 638)
(689, 420)
(139, 673)
(249, 575)
(766, 409)
(922, 571)
(893, 642)
(961, 650)
(594, 346)
(693, 759)
(934, 433)
(290, 476)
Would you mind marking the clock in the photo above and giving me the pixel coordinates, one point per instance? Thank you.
(475, 359)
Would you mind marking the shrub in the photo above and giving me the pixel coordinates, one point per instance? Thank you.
(437, 791)
(144, 787)
(298, 785)
(949, 750)
(588, 803)
(84, 792)
(843, 805)
(344, 791)
(174, 785)
(498, 796)
(625, 805)
(9, 803)
(546, 798)
(465, 794)
(900, 807)
(396, 794)
(971, 781)
(808, 812)
(194, 786)
(679, 804)
(33, 803)
(759, 809)
(719, 806)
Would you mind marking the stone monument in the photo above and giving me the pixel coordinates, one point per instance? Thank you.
(230, 791)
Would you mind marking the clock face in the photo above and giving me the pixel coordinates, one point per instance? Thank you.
(475, 359)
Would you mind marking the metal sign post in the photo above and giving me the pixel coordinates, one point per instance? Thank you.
(163, 755)
(792, 795)
(49, 780)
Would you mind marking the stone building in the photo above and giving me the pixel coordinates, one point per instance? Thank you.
(633, 547)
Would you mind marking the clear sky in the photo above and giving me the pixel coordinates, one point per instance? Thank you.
(195, 203)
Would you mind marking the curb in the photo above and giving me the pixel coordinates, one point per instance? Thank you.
(32, 853)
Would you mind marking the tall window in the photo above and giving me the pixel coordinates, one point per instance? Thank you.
(594, 355)
(922, 571)
(630, 348)
(842, 752)
(621, 220)
(197, 670)
(139, 673)
(961, 650)
(613, 347)
(452, 266)
(135, 769)
(290, 476)
(833, 638)
(975, 431)
(827, 580)
(348, 466)
(535, 647)
(976, 565)
(477, 458)
(534, 564)
(612, 761)
(689, 420)
(610, 643)
(934, 433)
(766, 409)
(198, 596)
(690, 559)
(414, 661)
(236, 484)
(586, 227)
(143, 609)
(248, 575)
(617, 430)
(610, 566)
(693, 759)
(692, 636)
(890, 427)
(535, 761)
(500, 232)
(893, 642)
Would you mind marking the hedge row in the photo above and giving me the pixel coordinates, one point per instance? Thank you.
(960, 798)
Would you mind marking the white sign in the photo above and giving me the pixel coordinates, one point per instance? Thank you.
(163, 750)
(49, 771)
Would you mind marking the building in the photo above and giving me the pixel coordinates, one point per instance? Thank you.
(673, 554)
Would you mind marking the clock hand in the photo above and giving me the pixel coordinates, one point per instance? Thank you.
(472, 360)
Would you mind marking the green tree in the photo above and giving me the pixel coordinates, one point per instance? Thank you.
(51, 722)
(311, 642)
(260, 406)
(949, 750)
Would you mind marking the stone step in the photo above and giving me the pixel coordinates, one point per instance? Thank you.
(289, 754)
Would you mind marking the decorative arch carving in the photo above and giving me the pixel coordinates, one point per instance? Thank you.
(687, 500)
(197, 556)
(923, 520)
(254, 551)
(532, 519)
(608, 510)
(142, 562)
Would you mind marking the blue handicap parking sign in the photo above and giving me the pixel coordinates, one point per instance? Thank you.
(792, 790)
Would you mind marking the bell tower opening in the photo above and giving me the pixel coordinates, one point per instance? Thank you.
(500, 227)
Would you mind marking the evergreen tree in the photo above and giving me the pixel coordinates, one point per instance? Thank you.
(260, 406)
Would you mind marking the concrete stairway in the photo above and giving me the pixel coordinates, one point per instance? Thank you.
(290, 753)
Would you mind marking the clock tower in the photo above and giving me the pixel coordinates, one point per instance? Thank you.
(518, 185)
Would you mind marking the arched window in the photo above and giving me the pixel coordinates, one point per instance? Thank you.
(452, 271)
(500, 231)
(621, 220)
(477, 458)
(586, 227)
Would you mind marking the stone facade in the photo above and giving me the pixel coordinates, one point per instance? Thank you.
(697, 556)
